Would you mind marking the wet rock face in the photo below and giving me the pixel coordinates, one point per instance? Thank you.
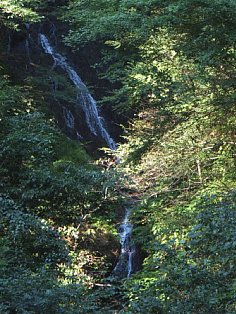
(138, 258)
(129, 262)
(26, 53)
(121, 269)
(83, 99)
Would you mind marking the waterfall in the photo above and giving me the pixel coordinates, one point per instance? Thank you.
(124, 266)
(84, 98)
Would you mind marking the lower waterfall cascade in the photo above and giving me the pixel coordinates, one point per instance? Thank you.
(125, 265)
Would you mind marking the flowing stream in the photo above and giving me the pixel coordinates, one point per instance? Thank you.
(124, 266)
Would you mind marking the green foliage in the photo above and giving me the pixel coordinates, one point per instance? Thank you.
(118, 27)
(27, 292)
(182, 34)
(53, 198)
(190, 269)
(31, 252)
(173, 64)
(31, 242)
(46, 172)
(15, 11)
(69, 150)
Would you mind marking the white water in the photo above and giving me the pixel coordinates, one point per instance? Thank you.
(84, 98)
(130, 262)
(125, 232)
(124, 266)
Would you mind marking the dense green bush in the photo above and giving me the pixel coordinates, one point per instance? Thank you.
(191, 269)
(55, 211)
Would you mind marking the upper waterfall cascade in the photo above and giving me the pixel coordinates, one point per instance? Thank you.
(84, 98)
